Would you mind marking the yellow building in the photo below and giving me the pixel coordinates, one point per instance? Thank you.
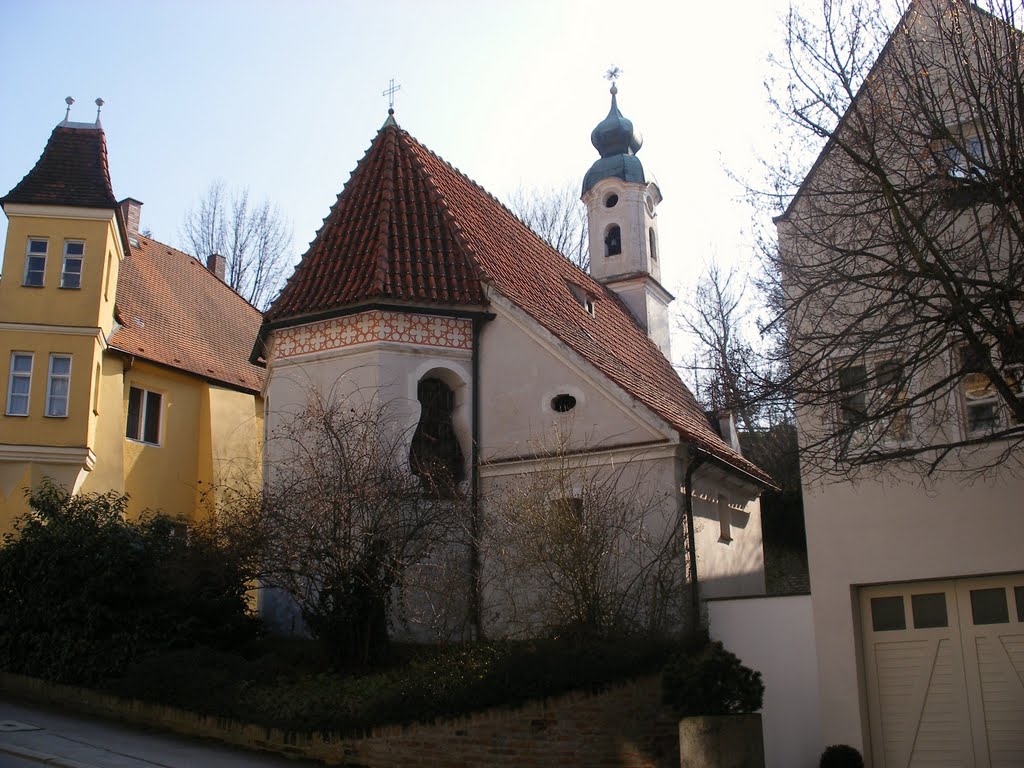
(124, 362)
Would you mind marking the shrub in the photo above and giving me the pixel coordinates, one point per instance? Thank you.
(841, 756)
(712, 682)
(83, 591)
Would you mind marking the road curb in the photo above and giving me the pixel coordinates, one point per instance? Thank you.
(43, 757)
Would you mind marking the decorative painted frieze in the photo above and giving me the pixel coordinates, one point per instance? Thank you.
(372, 327)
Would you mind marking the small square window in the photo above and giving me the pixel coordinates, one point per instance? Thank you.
(144, 416)
(929, 610)
(19, 384)
(988, 606)
(35, 262)
(71, 274)
(887, 614)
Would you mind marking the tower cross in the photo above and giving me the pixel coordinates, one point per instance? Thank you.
(390, 93)
(613, 74)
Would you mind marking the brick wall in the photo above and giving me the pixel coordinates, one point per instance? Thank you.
(624, 727)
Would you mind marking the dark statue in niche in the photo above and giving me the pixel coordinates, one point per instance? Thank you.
(435, 456)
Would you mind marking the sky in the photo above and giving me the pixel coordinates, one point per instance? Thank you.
(285, 98)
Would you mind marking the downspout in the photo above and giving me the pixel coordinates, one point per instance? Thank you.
(475, 528)
(694, 458)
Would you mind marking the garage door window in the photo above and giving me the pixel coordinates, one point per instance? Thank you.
(988, 606)
(887, 614)
(929, 610)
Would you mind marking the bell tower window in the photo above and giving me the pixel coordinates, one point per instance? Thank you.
(613, 241)
(435, 456)
(654, 243)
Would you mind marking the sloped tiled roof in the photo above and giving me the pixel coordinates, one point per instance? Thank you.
(409, 226)
(71, 171)
(175, 312)
(387, 237)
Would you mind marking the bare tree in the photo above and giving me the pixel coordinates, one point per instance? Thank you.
(558, 217)
(255, 239)
(583, 547)
(900, 256)
(343, 527)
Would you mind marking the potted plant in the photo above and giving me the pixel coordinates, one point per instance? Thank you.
(717, 699)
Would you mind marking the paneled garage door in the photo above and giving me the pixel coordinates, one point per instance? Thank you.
(944, 662)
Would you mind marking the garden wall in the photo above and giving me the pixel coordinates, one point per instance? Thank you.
(623, 727)
(775, 636)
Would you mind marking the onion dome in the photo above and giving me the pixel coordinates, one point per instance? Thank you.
(615, 135)
(618, 142)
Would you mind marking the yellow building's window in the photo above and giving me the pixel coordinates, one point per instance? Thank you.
(144, 415)
(58, 386)
(35, 262)
(20, 384)
(71, 273)
(96, 390)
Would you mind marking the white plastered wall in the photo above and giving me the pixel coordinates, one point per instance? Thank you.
(875, 532)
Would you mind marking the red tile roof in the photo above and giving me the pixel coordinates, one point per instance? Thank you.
(71, 171)
(173, 311)
(409, 226)
(387, 237)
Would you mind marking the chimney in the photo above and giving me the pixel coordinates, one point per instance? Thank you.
(131, 210)
(217, 264)
(727, 429)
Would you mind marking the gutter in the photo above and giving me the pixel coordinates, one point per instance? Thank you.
(695, 458)
(475, 527)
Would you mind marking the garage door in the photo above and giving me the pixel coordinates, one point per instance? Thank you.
(944, 662)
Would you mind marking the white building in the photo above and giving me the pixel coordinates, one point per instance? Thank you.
(917, 578)
(424, 292)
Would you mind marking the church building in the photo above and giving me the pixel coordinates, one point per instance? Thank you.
(423, 291)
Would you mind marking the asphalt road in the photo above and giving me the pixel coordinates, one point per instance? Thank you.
(31, 736)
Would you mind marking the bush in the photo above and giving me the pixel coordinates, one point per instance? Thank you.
(713, 682)
(83, 592)
(841, 756)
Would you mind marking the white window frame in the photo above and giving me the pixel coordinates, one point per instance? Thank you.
(9, 411)
(872, 387)
(52, 378)
(65, 273)
(1002, 415)
(137, 432)
(29, 255)
(959, 165)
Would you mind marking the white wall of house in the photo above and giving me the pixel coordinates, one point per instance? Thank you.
(775, 636)
(878, 532)
(379, 357)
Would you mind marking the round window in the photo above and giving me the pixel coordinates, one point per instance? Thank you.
(563, 403)
(611, 200)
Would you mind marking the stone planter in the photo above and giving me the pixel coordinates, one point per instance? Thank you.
(721, 741)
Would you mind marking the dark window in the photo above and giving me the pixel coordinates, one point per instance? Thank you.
(887, 613)
(435, 456)
(563, 403)
(929, 610)
(1018, 593)
(853, 384)
(988, 606)
(654, 244)
(144, 411)
(568, 510)
(613, 241)
(611, 200)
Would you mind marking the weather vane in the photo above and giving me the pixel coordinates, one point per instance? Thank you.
(613, 74)
(390, 93)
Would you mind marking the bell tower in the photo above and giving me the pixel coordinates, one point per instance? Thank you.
(622, 202)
